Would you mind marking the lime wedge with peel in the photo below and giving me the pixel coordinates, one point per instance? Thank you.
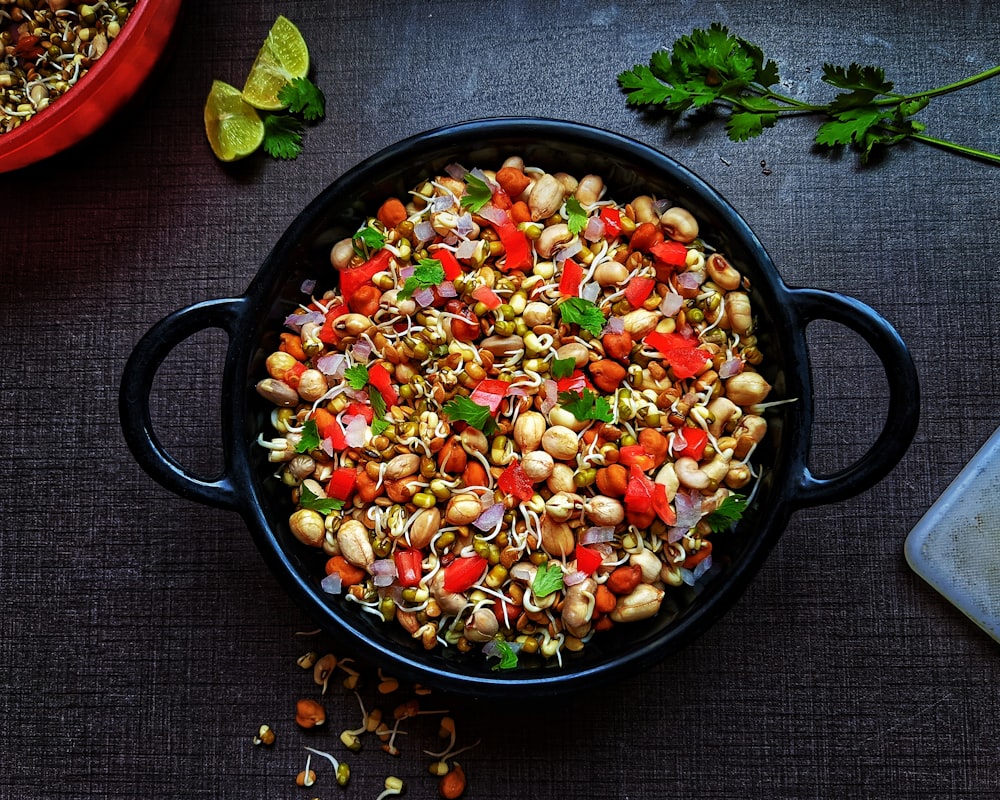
(234, 128)
(282, 58)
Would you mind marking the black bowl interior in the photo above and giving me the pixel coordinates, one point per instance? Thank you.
(629, 169)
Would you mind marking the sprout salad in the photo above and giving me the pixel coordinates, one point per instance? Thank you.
(522, 414)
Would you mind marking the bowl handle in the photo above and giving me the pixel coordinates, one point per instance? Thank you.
(904, 397)
(133, 401)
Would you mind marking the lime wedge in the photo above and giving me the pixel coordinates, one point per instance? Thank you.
(233, 127)
(282, 58)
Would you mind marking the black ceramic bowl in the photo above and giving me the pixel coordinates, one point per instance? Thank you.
(254, 320)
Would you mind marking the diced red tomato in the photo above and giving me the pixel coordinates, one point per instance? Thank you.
(490, 392)
(572, 276)
(638, 290)
(353, 278)
(694, 440)
(612, 221)
(516, 247)
(409, 566)
(639, 490)
(635, 455)
(378, 376)
(341, 484)
(576, 382)
(588, 559)
(358, 409)
(452, 269)
(515, 482)
(669, 252)
(662, 506)
(462, 573)
(486, 296)
(681, 352)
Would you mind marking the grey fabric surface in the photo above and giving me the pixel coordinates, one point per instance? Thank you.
(142, 639)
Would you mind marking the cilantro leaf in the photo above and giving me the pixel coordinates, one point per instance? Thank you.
(642, 88)
(368, 237)
(302, 96)
(586, 405)
(729, 511)
(379, 426)
(743, 125)
(858, 78)
(548, 579)
(378, 405)
(282, 136)
(563, 367)
(462, 408)
(324, 505)
(582, 312)
(508, 655)
(577, 217)
(310, 437)
(427, 273)
(477, 193)
(357, 376)
(848, 127)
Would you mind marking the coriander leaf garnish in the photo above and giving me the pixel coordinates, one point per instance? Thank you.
(379, 426)
(357, 376)
(548, 579)
(463, 409)
(310, 437)
(508, 656)
(586, 405)
(578, 311)
(283, 136)
(427, 273)
(562, 367)
(715, 67)
(324, 505)
(729, 511)
(302, 96)
(378, 405)
(477, 193)
(368, 237)
(576, 216)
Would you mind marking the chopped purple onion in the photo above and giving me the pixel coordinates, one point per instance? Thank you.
(332, 583)
(488, 520)
(447, 289)
(615, 325)
(424, 297)
(671, 304)
(597, 534)
(595, 229)
(730, 367)
(356, 430)
(424, 231)
(308, 285)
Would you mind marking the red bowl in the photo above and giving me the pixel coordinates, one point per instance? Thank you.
(107, 86)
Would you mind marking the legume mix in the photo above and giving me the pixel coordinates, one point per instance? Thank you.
(46, 46)
(522, 414)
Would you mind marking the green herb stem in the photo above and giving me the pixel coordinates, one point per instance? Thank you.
(972, 80)
(961, 149)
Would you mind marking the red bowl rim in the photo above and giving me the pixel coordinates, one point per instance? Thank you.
(108, 85)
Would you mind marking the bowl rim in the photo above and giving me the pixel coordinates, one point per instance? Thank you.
(108, 86)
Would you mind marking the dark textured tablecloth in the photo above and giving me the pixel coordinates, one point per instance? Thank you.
(144, 640)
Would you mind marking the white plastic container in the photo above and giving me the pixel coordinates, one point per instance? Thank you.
(955, 546)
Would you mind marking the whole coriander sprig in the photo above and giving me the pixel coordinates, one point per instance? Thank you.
(715, 67)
